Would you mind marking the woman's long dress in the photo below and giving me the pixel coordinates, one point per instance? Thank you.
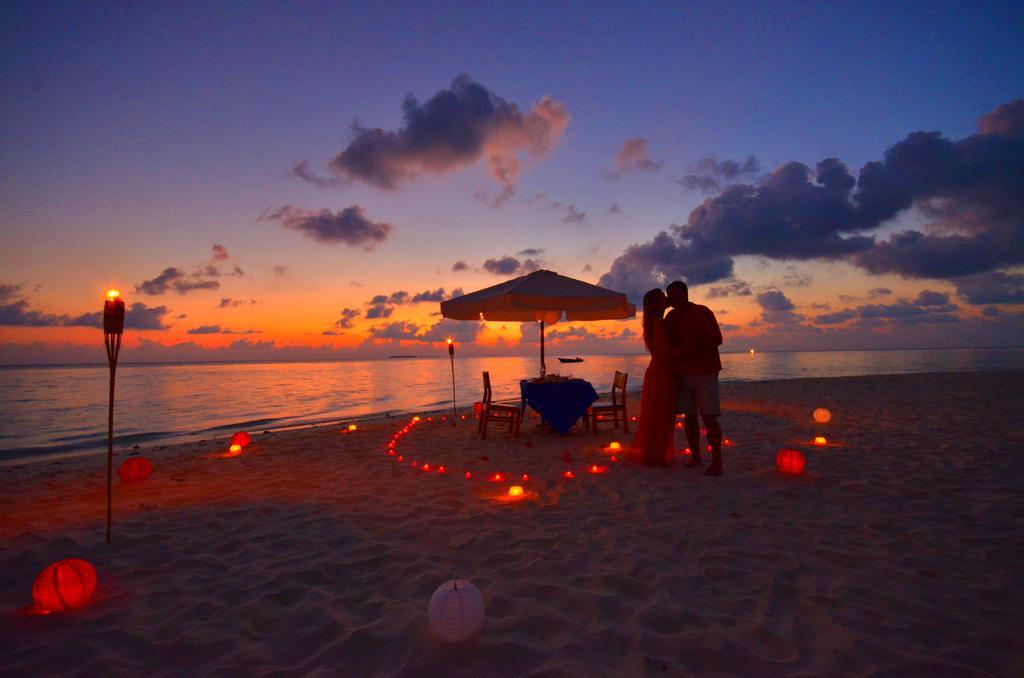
(654, 439)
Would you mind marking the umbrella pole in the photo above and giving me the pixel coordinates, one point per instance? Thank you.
(543, 367)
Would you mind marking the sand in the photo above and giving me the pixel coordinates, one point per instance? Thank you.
(899, 551)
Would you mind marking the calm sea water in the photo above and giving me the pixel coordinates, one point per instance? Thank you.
(50, 410)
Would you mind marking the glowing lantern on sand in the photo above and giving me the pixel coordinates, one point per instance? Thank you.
(63, 586)
(790, 461)
(135, 470)
(416, 419)
(822, 416)
(568, 475)
(456, 611)
(820, 440)
(234, 450)
(515, 491)
(352, 428)
(615, 446)
(478, 407)
(241, 438)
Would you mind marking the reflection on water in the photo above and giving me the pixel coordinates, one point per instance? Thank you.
(65, 408)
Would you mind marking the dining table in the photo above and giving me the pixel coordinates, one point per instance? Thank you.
(560, 402)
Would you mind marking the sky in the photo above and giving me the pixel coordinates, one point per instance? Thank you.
(308, 180)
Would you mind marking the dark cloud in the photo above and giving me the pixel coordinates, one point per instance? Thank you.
(9, 291)
(349, 226)
(498, 199)
(217, 329)
(633, 156)
(280, 271)
(511, 266)
(794, 278)
(835, 318)
(436, 295)
(530, 252)
(573, 216)
(379, 310)
(456, 127)
(18, 313)
(227, 302)
(174, 279)
(774, 300)
(732, 288)
(971, 189)
(709, 174)
(928, 307)
(396, 330)
(994, 287)
(303, 171)
(220, 253)
(877, 292)
(137, 316)
(614, 208)
(460, 266)
(348, 315)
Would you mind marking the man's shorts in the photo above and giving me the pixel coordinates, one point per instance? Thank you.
(697, 393)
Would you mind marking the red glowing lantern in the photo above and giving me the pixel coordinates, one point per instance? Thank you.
(468, 474)
(526, 477)
(598, 469)
(478, 407)
(401, 458)
(64, 586)
(425, 467)
(135, 469)
(790, 461)
(569, 474)
(241, 438)
(496, 478)
(440, 469)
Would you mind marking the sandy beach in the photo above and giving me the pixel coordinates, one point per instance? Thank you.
(898, 551)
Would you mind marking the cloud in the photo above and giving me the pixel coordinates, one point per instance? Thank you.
(303, 171)
(349, 226)
(280, 271)
(614, 208)
(877, 292)
(396, 330)
(379, 310)
(9, 291)
(928, 307)
(227, 302)
(530, 252)
(835, 318)
(633, 156)
(969, 188)
(498, 199)
(794, 278)
(348, 315)
(733, 288)
(456, 127)
(774, 300)
(460, 266)
(174, 279)
(507, 265)
(994, 287)
(437, 295)
(217, 329)
(709, 175)
(573, 216)
(220, 253)
(138, 316)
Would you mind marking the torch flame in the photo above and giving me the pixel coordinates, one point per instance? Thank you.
(113, 294)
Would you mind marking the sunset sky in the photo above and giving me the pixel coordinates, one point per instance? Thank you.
(309, 180)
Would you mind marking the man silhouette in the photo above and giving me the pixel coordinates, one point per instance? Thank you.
(694, 328)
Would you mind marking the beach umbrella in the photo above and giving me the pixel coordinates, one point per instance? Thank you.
(542, 296)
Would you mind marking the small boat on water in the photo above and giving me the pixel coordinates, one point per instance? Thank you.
(577, 359)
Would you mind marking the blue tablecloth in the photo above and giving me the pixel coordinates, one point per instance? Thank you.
(560, 403)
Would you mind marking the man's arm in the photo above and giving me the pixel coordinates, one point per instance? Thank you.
(714, 332)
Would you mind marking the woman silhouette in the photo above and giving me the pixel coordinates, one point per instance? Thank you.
(652, 445)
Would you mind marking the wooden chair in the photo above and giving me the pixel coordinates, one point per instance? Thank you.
(510, 414)
(615, 407)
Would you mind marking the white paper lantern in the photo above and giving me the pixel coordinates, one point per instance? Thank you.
(822, 416)
(456, 611)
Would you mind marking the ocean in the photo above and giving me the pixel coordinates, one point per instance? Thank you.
(62, 410)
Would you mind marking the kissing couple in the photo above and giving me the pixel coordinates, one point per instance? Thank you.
(681, 379)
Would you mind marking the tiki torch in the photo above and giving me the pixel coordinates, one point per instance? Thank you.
(451, 357)
(113, 328)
